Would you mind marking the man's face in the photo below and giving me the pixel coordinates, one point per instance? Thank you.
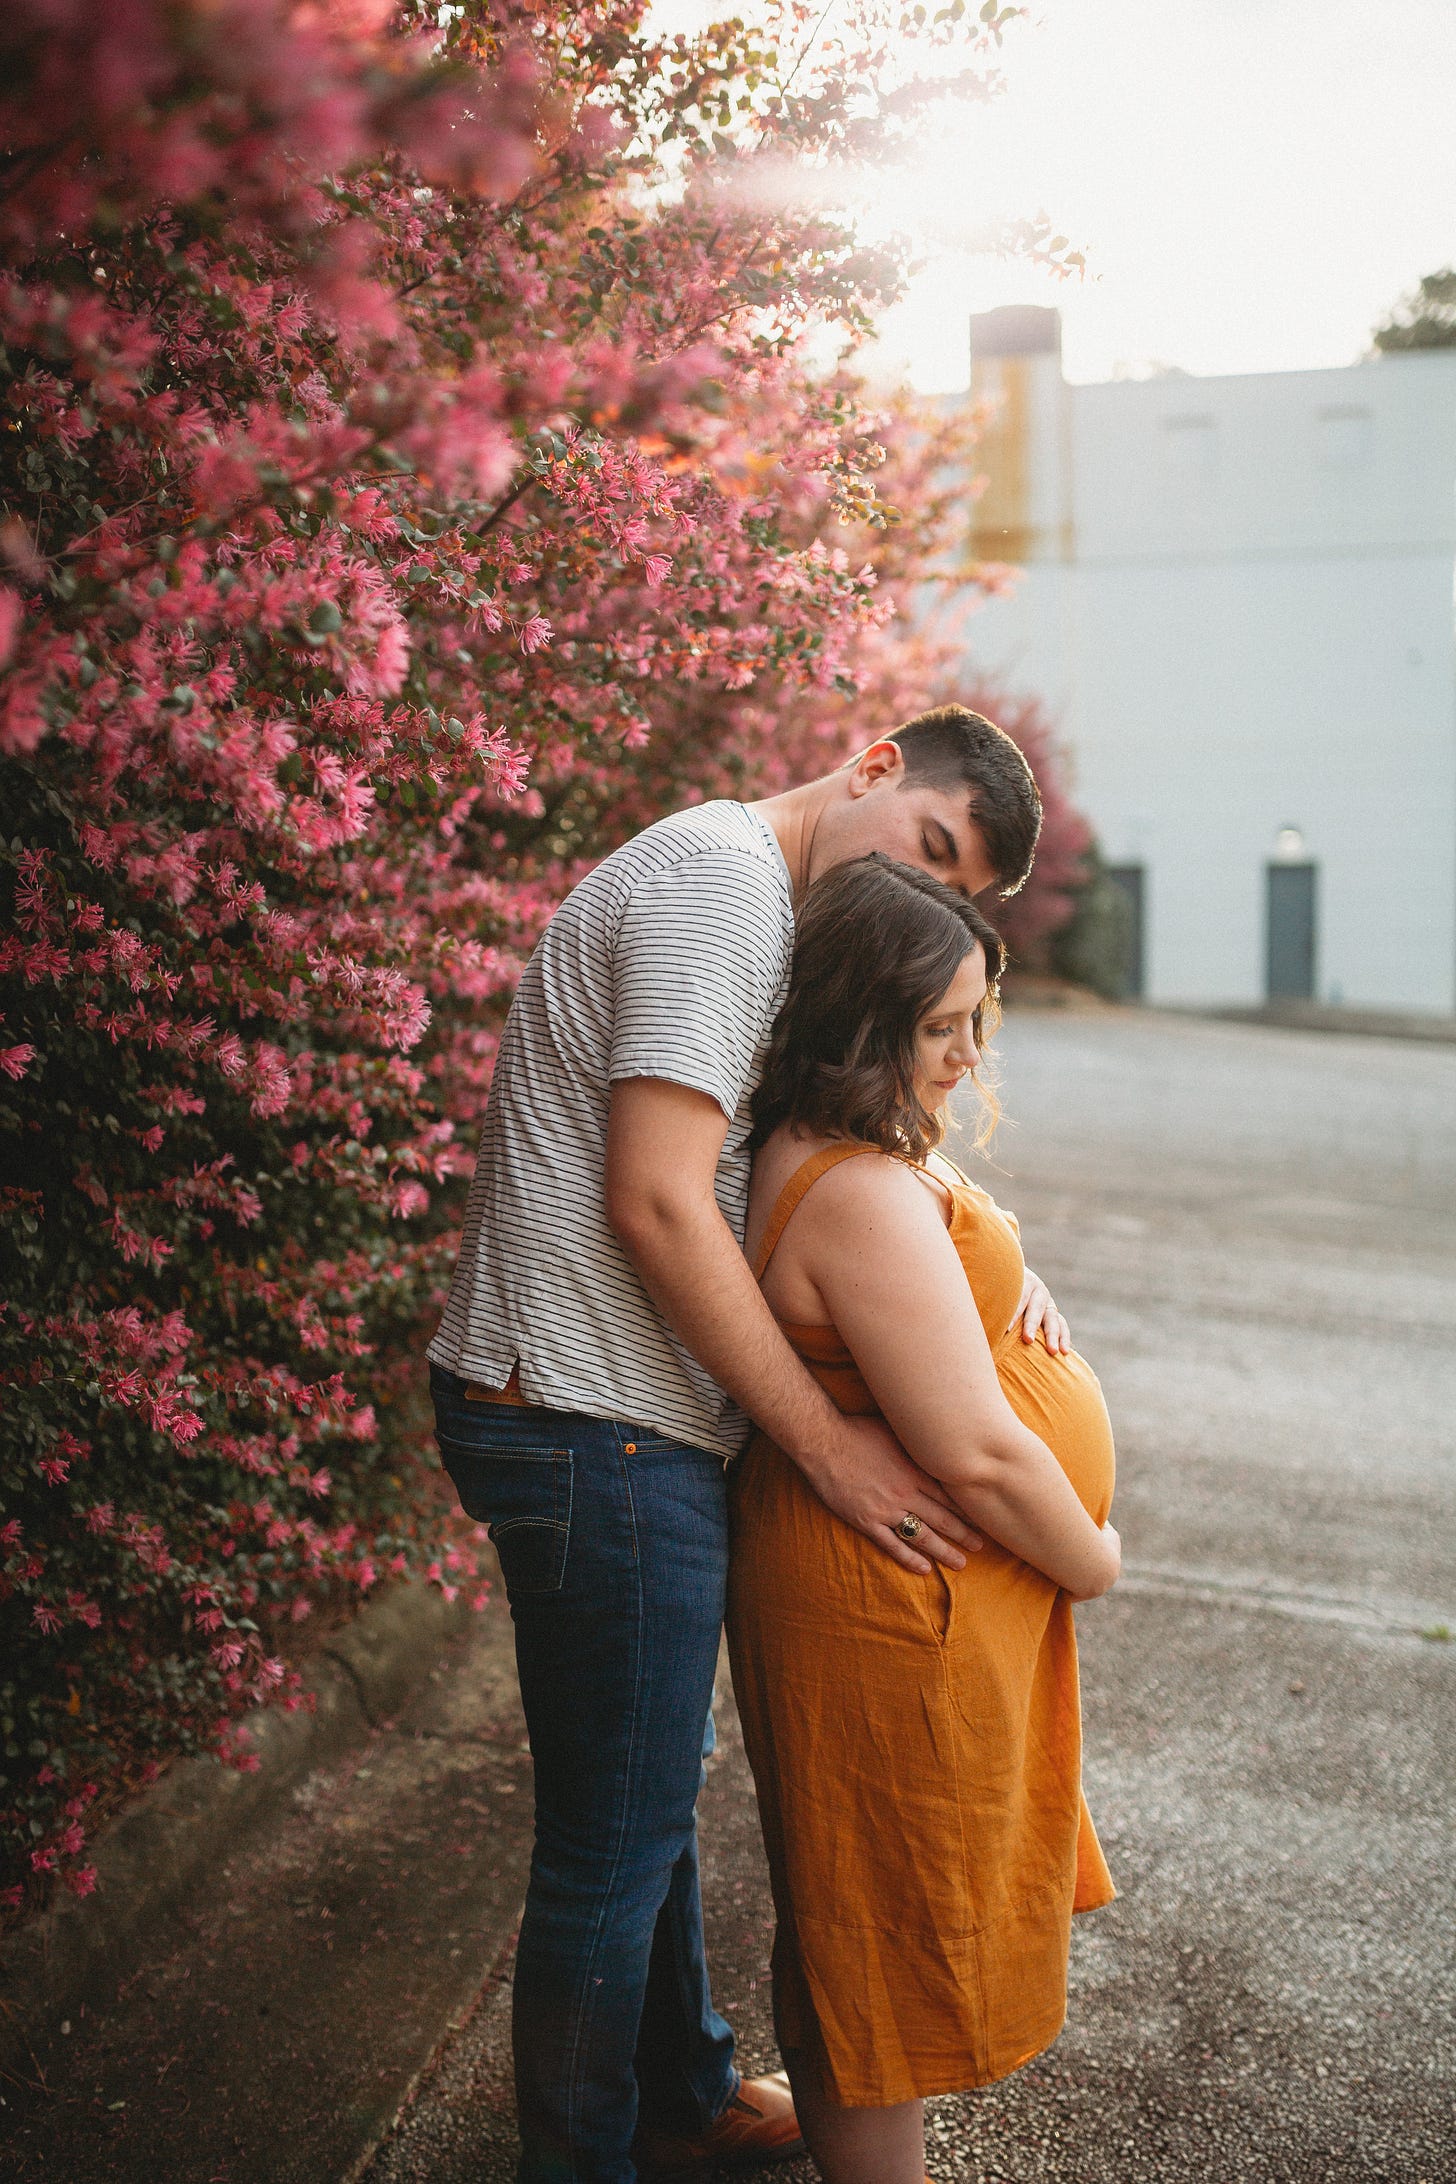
(931, 828)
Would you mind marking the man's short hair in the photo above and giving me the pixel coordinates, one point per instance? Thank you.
(949, 748)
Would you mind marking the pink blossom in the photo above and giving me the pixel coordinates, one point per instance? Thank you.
(392, 568)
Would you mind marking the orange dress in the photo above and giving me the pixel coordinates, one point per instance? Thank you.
(916, 1742)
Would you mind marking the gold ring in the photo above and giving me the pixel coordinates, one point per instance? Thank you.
(909, 1526)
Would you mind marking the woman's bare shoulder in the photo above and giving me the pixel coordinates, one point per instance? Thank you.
(870, 1176)
(873, 1183)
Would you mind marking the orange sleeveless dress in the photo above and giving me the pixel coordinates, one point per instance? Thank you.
(916, 1741)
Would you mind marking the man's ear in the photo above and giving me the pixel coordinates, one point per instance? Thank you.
(881, 763)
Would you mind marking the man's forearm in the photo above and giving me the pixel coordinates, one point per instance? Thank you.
(691, 1266)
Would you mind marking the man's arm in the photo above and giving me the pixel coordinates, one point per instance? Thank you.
(663, 1145)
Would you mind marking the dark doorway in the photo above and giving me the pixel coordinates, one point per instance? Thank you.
(1128, 880)
(1289, 932)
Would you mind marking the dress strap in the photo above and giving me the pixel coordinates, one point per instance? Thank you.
(958, 1172)
(802, 1180)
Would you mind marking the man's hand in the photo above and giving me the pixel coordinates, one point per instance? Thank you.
(873, 1486)
(1039, 1316)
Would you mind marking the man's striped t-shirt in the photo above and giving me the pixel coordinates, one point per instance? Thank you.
(670, 960)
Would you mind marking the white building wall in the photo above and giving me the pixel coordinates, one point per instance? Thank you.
(1237, 602)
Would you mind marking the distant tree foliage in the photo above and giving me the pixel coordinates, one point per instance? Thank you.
(1425, 319)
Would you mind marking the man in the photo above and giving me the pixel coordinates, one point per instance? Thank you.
(603, 1341)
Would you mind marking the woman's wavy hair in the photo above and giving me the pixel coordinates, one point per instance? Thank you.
(878, 943)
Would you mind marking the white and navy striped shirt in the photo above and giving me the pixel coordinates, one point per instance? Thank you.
(670, 960)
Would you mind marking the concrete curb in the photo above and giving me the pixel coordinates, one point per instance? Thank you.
(151, 1855)
(1313, 1016)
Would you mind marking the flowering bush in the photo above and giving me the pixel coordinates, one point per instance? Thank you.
(411, 480)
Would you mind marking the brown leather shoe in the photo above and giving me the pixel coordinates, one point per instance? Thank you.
(757, 2128)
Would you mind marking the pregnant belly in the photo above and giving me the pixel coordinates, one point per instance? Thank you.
(1060, 1399)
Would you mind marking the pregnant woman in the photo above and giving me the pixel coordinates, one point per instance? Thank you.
(915, 1739)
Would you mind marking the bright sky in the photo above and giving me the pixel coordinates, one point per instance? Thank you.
(1254, 182)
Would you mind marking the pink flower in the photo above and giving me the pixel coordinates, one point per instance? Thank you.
(82, 1881)
(16, 1060)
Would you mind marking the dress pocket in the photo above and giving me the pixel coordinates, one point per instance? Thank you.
(524, 1495)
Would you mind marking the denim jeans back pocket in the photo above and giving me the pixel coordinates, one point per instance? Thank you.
(524, 1494)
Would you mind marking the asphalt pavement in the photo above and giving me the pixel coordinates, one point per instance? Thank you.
(1254, 1234)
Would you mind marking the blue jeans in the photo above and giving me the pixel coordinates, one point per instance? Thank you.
(613, 1543)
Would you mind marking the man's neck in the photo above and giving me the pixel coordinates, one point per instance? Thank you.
(793, 819)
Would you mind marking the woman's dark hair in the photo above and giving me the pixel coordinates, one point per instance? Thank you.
(878, 943)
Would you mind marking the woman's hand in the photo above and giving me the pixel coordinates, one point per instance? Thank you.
(1112, 1542)
(1039, 1316)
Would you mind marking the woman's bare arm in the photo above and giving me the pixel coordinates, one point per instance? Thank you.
(872, 1241)
(663, 1145)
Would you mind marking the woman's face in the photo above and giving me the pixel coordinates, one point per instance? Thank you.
(947, 1045)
